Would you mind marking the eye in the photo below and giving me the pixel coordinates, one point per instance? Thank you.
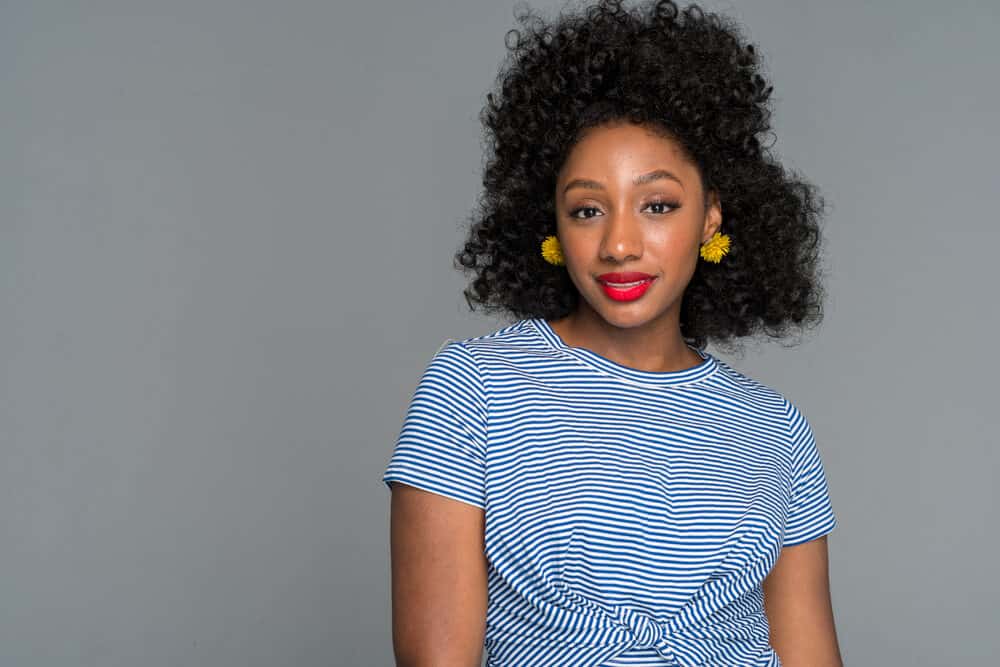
(663, 206)
(575, 211)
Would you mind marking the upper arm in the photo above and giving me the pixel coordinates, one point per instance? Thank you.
(799, 608)
(797, 589)
(438, 579)
(436, 475)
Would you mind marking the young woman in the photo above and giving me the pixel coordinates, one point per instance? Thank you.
(587, 485)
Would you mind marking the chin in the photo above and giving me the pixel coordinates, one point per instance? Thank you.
(626, 316)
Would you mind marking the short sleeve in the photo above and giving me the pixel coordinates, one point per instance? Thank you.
(442, 444)
(811, 513)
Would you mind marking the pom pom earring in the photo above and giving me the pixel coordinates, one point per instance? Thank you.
(712, 250)
(552, 251)
(715, 248)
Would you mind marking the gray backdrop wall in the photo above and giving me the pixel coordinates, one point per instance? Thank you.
(225, 256)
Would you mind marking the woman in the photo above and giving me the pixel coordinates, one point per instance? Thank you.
(588, 486)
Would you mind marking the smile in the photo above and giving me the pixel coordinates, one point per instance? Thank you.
(627, 291)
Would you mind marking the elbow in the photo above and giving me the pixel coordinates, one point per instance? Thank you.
(419, 652)
(424, 660)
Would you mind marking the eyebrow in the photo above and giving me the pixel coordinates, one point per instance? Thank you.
(642, 179)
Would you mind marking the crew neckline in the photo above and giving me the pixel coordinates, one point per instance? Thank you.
(600, 363)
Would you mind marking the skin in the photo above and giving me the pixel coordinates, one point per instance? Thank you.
(605, 222)
(799, 609)
(439, 593)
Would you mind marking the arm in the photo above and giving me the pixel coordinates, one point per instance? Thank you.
(438, 579)
(799, 609)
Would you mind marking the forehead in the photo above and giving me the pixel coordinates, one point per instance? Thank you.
(626, 147)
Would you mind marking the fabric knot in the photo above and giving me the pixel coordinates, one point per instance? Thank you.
(647, 631)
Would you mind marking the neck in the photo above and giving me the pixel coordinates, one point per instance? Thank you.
(656, 345)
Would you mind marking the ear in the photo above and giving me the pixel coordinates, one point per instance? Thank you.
(713, 217)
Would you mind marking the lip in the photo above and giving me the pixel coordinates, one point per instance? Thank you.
(625, 293)
(623, 277)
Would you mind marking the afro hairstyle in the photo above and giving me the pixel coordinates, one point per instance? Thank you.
(688, 73)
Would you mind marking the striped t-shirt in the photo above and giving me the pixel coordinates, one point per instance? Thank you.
(630, 515)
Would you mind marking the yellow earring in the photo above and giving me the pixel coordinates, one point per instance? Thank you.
(712, 250)
(715, 248)
(552, 251)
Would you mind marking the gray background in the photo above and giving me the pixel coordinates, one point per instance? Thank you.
(226, 232)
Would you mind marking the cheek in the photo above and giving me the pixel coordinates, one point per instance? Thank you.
(579, 242)
(673, 241)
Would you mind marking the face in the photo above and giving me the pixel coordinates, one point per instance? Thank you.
(629, 201)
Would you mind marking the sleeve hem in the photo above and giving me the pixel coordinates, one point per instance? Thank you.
(825, 529)
(424, 486)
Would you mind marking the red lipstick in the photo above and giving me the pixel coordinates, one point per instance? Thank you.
(625, 285)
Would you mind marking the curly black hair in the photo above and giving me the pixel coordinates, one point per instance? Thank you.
(688, 73)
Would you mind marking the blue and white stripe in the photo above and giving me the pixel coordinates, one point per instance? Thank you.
(631, 516)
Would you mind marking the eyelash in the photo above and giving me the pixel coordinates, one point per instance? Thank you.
(673, 206)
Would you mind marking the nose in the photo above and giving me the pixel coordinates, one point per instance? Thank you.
(622, 241)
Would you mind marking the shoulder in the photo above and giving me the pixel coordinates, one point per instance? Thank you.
(498, 347)
(519, 334)
(776, 411)
(766, 402)
(468, 363)
(765, 410)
